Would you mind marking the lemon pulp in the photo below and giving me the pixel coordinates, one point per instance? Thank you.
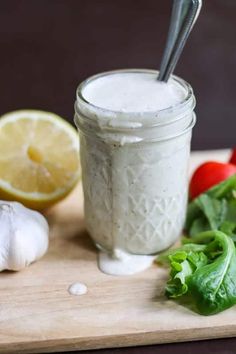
(39, 158)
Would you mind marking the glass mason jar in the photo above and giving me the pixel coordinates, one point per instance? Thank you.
(135, 172)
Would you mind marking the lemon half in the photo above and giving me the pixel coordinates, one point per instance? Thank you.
(39, 158)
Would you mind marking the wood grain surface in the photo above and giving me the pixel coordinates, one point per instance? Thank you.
(37, 314)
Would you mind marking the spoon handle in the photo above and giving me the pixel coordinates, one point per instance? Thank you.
(183, 17)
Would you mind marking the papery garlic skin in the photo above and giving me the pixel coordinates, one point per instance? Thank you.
(23, 236)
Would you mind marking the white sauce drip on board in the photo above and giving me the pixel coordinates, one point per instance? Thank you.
(77, 289)
(123, 263)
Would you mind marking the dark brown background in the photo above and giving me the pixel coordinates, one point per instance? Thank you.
(48, 46)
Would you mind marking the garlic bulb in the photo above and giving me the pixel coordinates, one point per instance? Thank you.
(23, 236)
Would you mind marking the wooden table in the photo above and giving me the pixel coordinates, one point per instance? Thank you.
(38, 314)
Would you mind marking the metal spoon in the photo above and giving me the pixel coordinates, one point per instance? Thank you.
(183, 17)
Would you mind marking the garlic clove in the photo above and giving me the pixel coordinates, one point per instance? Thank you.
(23, 236)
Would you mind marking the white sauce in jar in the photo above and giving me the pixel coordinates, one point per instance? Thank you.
(134, 179)
(129, 92)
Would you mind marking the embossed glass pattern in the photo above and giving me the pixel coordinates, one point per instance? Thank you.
(134, 173)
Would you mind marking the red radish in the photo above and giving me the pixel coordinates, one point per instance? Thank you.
(209, 174)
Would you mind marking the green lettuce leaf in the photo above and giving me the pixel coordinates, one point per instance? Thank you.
(204, 271)
(213, 286)
(213, 210)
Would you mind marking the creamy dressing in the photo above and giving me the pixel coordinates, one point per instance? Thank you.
(124, 264)
(129, 92)
(134, 175)
(77, 289)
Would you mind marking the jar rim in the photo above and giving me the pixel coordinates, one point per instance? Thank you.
(90, 107)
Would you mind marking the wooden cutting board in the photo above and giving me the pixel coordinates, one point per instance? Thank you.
(37, 314)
